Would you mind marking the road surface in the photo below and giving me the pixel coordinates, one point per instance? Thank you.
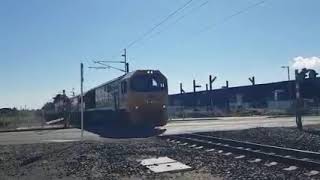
(173, 127)
(233, 123)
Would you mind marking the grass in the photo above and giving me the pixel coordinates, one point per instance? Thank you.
(23, 118)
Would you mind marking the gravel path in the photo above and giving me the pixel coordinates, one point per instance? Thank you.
(118, 159)
(284, 137)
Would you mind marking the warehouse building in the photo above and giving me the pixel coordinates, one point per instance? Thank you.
(270, 97)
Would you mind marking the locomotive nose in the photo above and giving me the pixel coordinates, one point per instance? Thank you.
(149, 109)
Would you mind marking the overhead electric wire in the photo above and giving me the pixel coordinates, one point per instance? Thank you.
(159, 24)
(181, 17)
(172, 14)
(227, 18)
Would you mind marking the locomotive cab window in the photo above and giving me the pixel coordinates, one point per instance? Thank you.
(148, 83)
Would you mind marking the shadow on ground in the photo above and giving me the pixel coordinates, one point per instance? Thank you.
(121, 132)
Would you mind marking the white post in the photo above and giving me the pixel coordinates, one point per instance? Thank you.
(81, 99)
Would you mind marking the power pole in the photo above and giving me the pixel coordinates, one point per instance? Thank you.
(81, 99)
(195, 86)
(126, 64)
(298, 100)
(104, 65)
(252, 80)
(211, 80)
(226, 86)
(181, 89)
(288, 71)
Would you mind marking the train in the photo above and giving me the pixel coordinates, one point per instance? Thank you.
(136, 99)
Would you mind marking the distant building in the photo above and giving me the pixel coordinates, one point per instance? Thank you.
(275, 96)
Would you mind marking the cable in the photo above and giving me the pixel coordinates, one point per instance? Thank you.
(241, 11)
(158, 24)
(224, 20)
(181, 17)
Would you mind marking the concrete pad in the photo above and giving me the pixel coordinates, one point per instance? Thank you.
(163, 164)
(168, 167)
(159, 160)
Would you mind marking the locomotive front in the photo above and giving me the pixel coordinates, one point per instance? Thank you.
(148, 98)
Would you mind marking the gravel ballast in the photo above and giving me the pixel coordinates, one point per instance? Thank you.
(119, 159)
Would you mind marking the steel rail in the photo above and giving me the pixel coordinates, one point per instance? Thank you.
(275, 149)
(307, 163)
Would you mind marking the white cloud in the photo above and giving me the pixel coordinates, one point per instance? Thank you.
(306, 62)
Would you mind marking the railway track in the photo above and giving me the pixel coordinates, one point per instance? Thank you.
(305, 159)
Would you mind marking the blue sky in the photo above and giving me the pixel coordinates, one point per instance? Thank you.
(43, 42)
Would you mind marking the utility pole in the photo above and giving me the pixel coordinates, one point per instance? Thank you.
(181, 89)
(252, 80)
(299, 79)
(126, 64)
(195, 86)
(226, 86)
(211, 80)
(81, 99)
(288, 71)
(104, 65)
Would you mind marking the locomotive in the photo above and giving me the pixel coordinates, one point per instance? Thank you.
(138, 98)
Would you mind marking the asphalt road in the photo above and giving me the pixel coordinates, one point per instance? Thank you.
(173, 127)
(234, 123)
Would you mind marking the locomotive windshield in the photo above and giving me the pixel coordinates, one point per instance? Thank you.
(148, 83)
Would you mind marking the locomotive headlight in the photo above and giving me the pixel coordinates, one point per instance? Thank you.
(164, 106)
(137, 107)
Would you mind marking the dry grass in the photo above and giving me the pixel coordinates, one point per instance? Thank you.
(24, 118)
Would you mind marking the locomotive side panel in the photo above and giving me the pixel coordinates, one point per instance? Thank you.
(107, 96)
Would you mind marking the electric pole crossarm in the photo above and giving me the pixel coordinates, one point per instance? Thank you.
(105, 66)
(91, 67)
(103, 63)
(109, 61)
